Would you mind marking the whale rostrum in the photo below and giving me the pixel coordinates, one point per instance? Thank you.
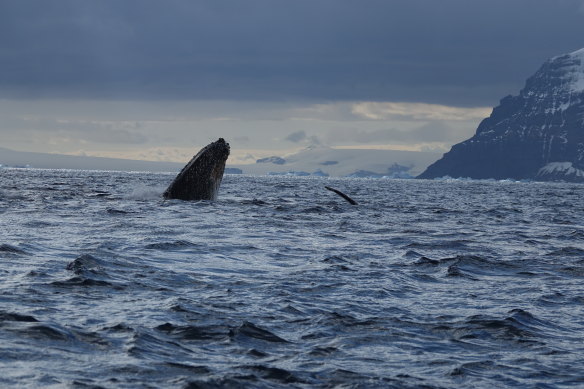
(201, 177)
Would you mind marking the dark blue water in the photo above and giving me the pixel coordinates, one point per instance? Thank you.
(281, 283)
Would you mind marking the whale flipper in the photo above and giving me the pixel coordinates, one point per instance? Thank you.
(350, 200)
(201, 177)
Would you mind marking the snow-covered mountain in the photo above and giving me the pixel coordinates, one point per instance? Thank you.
(321, 161)
(536, 135)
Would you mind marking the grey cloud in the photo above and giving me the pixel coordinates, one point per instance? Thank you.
(89, 131)
(429, 132)
(315, 141)
(296, 136)
(110, 135)
(450, 51)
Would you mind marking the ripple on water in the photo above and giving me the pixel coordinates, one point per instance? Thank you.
(10, 250)
(278, 285)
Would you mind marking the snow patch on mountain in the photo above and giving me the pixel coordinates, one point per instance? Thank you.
(576, 72)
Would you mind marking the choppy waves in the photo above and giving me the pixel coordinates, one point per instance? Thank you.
(281, 283)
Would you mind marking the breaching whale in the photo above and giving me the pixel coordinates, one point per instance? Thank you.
(201, 177)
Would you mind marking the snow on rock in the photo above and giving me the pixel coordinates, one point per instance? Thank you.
(575, 73)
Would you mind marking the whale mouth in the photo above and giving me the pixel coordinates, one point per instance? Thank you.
(201, 178)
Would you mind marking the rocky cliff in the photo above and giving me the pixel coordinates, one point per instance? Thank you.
(537, 135)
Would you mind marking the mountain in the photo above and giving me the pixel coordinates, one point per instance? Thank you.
(536, 135)
(323, 161)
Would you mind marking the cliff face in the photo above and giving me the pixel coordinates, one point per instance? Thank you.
(536, 135)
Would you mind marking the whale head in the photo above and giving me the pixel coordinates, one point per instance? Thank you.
(201, 178)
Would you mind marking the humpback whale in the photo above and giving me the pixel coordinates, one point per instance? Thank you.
(201, 177)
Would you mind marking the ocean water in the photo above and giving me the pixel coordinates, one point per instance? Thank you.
(281, 283)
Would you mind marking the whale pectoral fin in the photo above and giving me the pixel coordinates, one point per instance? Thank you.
(350, 200)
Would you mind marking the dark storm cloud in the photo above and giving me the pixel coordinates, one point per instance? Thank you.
(459, 52)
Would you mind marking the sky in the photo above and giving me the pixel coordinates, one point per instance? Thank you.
(157, 80)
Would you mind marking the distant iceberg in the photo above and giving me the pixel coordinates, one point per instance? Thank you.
(233, 170)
